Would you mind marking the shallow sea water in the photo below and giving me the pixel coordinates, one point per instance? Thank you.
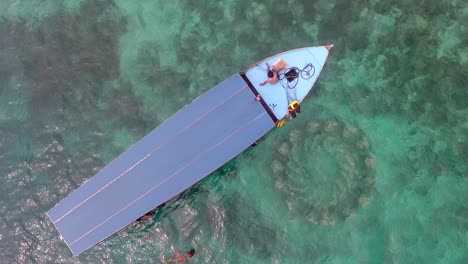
(374, 170)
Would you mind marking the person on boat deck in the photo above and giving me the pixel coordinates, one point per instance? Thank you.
(182, 258)
(272, 75)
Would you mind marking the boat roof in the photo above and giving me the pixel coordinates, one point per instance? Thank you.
(199, 138)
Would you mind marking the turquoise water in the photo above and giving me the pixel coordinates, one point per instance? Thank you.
(373, 171)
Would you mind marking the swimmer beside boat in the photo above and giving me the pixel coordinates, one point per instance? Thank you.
(178, 258)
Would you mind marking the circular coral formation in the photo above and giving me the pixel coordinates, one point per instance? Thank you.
(325, 170)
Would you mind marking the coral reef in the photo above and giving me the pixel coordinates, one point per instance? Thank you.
(325, 170)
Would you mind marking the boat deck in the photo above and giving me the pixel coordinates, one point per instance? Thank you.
(278, 96)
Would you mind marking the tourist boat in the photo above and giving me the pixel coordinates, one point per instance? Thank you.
(195, 141)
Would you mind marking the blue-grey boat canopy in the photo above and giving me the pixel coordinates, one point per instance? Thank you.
(194, 142)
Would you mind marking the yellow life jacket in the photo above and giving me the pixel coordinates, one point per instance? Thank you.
(281, 122)
(293, 106)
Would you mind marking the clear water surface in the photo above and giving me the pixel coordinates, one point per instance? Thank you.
(373, 171)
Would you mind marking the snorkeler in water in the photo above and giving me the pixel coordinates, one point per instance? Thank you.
(146, 216)
(178, 258)
(149, 214)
